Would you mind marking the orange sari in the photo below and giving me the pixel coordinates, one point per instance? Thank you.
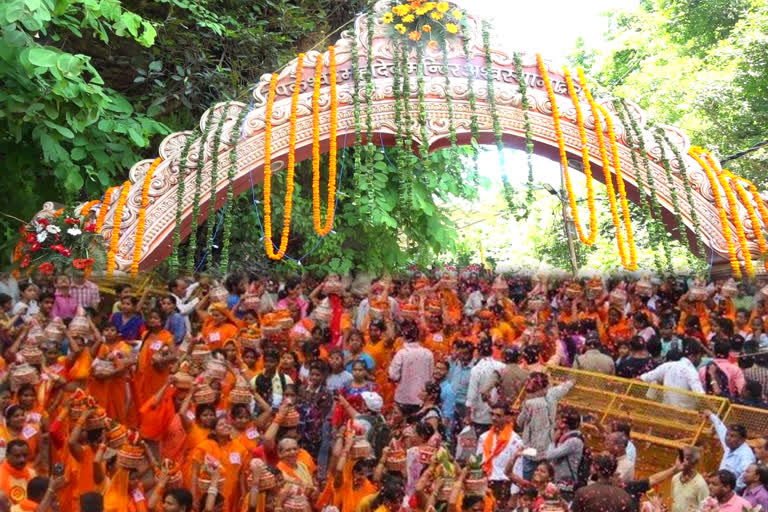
(233, 457)
(112, 393)
(148, 378)
(80, 477)
(217, 335)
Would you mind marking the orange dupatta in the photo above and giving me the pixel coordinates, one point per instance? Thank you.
(491, 450)
(119, 498)
(148, 378)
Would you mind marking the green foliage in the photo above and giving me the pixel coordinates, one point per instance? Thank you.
(60, 122)
(393, 236)
(698, 64)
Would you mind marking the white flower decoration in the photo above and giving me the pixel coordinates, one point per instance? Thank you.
(74, 231)
(41, 236)
(53, 229)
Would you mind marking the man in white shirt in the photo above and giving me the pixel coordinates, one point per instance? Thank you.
(679, 374)
(411, 369)
(616, 444)
(182, 292)
(497, 446)
(480, 377)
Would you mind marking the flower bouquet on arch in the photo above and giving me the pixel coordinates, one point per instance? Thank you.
(60, 242)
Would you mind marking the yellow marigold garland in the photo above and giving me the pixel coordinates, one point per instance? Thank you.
(319, 228)
(564, 164)
(139, 240)
(86, 209)
(759, 202)
(735, 217)
(585, 161)
(268, 174)
(607, 174)
(694, 152)
(744, 198)
(104, 208)
(620, 187)
(117, 220)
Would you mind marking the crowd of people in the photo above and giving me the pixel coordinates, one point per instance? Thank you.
(415, 393)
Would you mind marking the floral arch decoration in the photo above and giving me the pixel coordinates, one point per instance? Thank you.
(425, 75)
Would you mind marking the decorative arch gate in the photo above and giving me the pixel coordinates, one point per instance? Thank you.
(156, 188)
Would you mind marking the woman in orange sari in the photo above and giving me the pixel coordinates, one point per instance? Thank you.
(109, 384)
(219, 324)
(84, 473)
(221, 451)
(158, 351)
(380, 345)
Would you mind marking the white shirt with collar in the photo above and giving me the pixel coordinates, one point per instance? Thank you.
(499, 463)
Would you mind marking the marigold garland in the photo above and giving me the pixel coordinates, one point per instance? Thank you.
(695, 153)
(645, 204)
(585, 162)
(105, 204)
(620, 187)
(139, 240)
(654, 202)
(606, 172)
(735, 217)
(754, 220)
(760, 205)
(117, 221)
(316, 217)
(268, 179)
(86, 209)
(588, 240)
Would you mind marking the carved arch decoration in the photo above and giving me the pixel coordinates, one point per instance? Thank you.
(162, 205)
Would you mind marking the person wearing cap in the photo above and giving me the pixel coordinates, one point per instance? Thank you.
(593, 360)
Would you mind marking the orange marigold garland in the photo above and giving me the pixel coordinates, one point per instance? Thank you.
(139, 240)
(606, 172)
(268, 175)
(86, 209)
(694, 152)
(117, 220)
(760, 205)
(735, 217)
(744, 198)
(319, 228)
(104, 208)
(620, 187)
(564, 164)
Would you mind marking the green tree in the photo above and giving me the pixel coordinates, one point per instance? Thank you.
(698, 64)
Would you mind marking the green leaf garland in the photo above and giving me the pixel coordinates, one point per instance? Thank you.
(448, 97)
(688, 191)
(356, 110)
(406, 171)
(397, 92)
(369, 146)
(680, 227)
(192, 249)
(214, 181)
(508, 191)
(525, 105)
(173, 261)
(645, 203)
(424, 149)
(226, 239)
(474, 127)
